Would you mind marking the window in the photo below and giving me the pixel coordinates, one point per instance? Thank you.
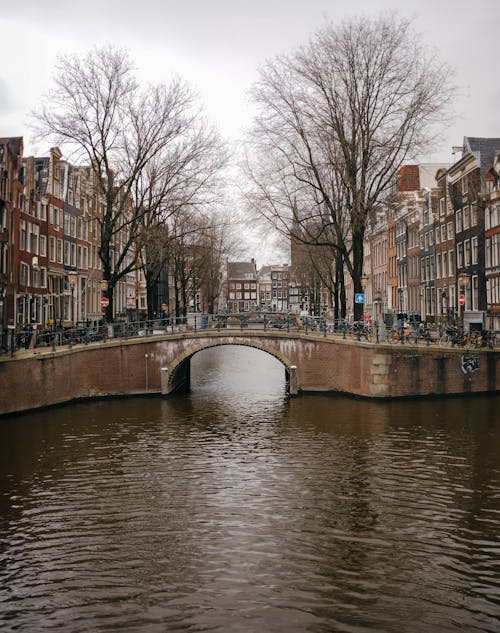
(22, 235)
(450, 230)
(460, 255)
(444, 261)
(495, 250)
(34, 232)
(54, 212)
(438, 265)
(458, 221)
(43, 245)
(473, 215)
(451, 262)
(474, 297)
(467, 253)
(474, 250)
(466, 218)
(59, 252)
(437, 235)
(35, 278)
(52, 248)
(23, 274)
(427, 269)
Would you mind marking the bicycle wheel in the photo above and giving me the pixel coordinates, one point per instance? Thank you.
(393, 337)
(444, 340)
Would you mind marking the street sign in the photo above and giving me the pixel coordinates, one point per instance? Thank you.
(359, 297)
(104, 302)
(461, 300)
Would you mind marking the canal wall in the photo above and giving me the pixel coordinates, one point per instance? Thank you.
(40, 378)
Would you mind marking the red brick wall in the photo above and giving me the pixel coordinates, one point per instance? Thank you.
(119, 368)
(409, 179)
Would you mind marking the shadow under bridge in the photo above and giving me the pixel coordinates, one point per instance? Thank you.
(176, 377)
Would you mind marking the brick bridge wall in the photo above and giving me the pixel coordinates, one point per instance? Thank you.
(160, 365)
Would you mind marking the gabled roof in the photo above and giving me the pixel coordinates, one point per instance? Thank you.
(241, 270)
(484, 149)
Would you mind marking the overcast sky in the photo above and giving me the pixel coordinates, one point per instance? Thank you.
(217, 45)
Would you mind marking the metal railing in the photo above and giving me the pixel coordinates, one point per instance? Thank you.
(33, 338)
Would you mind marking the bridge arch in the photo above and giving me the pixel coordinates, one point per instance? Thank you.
(177, 376)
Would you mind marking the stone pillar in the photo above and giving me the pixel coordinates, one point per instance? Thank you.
(165, 375)
(292, 380)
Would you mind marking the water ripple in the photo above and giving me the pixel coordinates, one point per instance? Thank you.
(234, 509)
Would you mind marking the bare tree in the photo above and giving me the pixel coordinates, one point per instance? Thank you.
(182, 179)
(337, 119)
(98, 112)
(216, 245)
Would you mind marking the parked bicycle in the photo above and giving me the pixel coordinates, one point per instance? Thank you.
(400, 334)
(360, 329)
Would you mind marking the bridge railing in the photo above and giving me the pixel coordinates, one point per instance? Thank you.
(34, 338)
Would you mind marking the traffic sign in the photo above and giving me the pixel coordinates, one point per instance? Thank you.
(461, 300)
(359, 297)
(104, 302)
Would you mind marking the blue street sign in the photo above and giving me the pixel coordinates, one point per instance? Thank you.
(359, 297)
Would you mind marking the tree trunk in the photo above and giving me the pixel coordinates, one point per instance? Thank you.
(357, 265)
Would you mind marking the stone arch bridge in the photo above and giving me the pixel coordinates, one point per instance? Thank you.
(312, 363)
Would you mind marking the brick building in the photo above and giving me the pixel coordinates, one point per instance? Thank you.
(242, 286)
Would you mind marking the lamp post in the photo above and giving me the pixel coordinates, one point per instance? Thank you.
(463, 282)
(72, 282)
(364, 283)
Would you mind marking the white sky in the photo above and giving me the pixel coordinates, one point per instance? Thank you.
(217, 45)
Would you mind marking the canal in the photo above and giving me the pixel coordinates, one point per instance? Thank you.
(235, 509)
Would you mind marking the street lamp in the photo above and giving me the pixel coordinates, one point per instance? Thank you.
(463, 282)
(364, 283)
(72, 282)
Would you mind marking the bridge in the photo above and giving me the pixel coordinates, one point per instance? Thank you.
(312, 362)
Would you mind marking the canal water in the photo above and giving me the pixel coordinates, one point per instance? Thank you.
(235, 509)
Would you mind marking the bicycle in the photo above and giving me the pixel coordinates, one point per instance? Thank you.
(401, 335)
(360, 329)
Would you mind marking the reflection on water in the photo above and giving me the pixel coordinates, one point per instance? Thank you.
(236, 509)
